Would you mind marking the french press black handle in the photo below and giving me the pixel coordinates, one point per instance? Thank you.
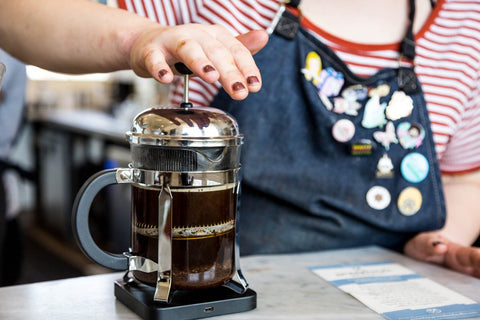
(81, 229)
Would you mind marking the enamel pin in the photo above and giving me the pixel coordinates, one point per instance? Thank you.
(378, 197)
(410, 135)
(356, 92)
(387, 137)
(330, 82)
(362, 147)
(399, 106)
(348, 102)
(348, 106)
(409, 201)
(343, 130)
(381, 91)
(385, 167)
(313, 67)
(326, 102)
(374, 114)
(414, 167)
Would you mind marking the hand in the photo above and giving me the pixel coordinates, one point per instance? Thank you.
(434, 247)
(210, 51)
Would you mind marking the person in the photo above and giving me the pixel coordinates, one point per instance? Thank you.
(12, 100)
(302, 181)
(294, 196)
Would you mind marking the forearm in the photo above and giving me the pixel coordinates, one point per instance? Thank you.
(80, 36)
(86, 36)
(463, 207)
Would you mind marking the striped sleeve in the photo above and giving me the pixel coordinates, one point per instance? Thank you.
(448, 65)
(463, 150)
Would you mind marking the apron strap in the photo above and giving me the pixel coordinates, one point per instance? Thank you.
(407, 80)
(293, 3)
(286, 23)
(407, 48)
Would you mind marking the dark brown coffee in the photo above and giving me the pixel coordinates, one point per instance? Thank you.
(203, 234)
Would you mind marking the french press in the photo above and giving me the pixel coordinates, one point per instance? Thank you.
(184, 185)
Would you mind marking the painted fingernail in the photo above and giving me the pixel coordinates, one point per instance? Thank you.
(162, 73)
(252, 80)
(436, 243)
(208, 68)
(238, 86)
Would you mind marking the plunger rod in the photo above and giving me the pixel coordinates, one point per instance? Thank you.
(181, 68)
(186, 78)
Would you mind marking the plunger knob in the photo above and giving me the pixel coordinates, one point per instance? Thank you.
(181, 68)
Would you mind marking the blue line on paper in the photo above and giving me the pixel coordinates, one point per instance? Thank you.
(368, 280)
(351, 265)
(454, 311)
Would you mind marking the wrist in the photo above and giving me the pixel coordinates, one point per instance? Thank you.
(128, 38)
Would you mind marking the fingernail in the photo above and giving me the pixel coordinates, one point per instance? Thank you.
(208, 68)
(238, 86)
(162, 73)
(252, 80)
(436, 243)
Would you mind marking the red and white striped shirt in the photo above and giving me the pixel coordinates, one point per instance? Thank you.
(447, 62)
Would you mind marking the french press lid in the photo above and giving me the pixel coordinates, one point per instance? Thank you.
(185, 138)
(184, 127)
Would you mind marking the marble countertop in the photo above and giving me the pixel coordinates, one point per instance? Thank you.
(286, 289)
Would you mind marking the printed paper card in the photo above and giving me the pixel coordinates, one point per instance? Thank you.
(398, 293)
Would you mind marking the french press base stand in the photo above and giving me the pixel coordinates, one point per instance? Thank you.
(191, 304)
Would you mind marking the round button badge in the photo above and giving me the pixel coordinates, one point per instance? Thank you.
(409, 201)
(343, 130)
(414, 167)
(378, 197)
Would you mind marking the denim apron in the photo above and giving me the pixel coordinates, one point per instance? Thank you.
(304, 187)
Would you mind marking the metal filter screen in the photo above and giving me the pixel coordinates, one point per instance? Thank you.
(185, 159)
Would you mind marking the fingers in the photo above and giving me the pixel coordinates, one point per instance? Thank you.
(453, 259)
(148, 60)
(214, 49)
(156, 66)
(430, 247)
(241, 68)
(210, 51)
(191, 53)
(237, 71)
(254, 40)
(464, 259)
(433, 247)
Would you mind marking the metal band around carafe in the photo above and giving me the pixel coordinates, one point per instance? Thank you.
(152, 178)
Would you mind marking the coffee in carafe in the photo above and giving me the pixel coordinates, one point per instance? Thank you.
(203, 234)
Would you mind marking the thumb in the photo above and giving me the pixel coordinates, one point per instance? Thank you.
(254, 40)
(428, 246)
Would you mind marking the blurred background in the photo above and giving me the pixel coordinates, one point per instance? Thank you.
(62, 130)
